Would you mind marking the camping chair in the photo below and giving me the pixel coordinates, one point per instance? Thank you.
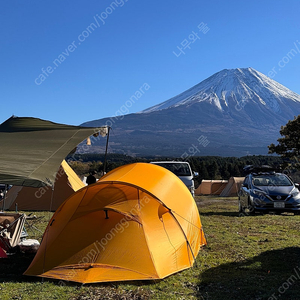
(11, 228)
(31, 221)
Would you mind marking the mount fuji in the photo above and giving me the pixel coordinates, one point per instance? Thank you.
(234, 112)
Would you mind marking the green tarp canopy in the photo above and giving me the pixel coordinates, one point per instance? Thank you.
(31, 150)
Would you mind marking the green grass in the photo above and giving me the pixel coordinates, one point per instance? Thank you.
(251, 257)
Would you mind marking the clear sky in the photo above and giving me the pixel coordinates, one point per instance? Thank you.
(74, 61)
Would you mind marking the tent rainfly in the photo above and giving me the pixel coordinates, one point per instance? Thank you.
(137, 222)
(43, 198)
(233, 186)
(211, 187)
(33, 149)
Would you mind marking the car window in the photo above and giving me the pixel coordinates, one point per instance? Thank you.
(179, 169)
(271, 180)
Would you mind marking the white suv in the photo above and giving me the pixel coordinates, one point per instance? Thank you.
(181, 169)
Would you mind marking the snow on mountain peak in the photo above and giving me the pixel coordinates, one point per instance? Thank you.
(232, 88)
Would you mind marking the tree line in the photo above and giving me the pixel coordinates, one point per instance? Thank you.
(207, 167)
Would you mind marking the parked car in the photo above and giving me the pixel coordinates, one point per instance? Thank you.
(181, 169)
(267, 191)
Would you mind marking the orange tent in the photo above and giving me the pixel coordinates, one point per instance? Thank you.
(137, 222)
(44, 198)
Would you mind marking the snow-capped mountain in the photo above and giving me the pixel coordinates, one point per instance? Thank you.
(233, 89)
(237, 112)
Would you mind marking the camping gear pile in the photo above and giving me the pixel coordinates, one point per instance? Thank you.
(12, 234)
(11, 226)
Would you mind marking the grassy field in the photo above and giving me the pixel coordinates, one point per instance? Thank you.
(250, 257)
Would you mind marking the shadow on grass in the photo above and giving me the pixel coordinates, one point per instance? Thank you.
(271, 275)
(243, 215)
(13, 267)
(220, 213)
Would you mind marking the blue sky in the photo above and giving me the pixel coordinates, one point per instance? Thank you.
(76, 61)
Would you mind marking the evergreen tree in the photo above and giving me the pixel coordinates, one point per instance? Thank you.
(289, 144)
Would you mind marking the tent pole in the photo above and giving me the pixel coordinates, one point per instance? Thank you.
(52, 193)
(187, 241)
(47, 229)
(104, 164)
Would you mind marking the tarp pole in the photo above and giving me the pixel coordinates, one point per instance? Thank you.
(52, 194)
(4, 197)
(104, 164)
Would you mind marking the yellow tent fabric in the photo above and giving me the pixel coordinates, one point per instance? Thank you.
(137, 222)
(28, 198)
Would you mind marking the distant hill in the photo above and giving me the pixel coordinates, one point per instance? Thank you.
(234, 112)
